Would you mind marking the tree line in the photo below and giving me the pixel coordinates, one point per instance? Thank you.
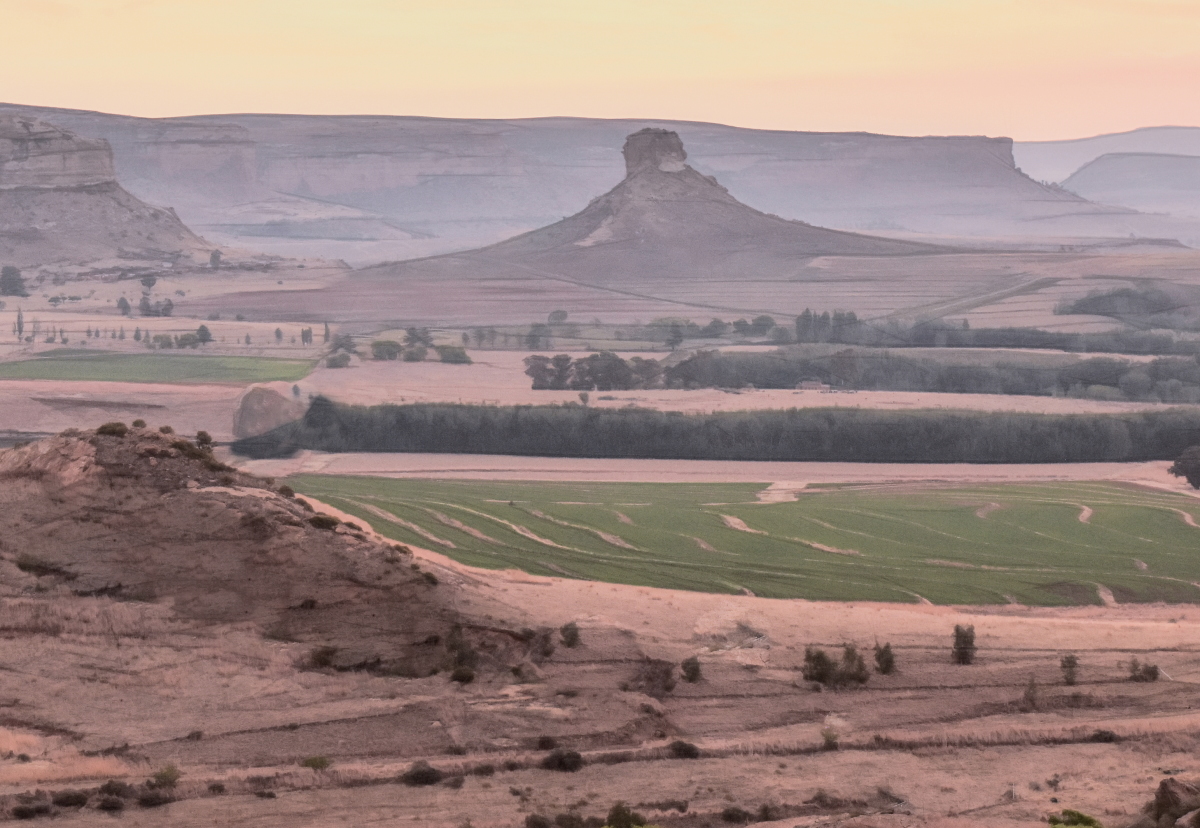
(1168, 379)
(854, 435)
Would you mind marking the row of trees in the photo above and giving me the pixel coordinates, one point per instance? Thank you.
(1165, 379)
(858, 435)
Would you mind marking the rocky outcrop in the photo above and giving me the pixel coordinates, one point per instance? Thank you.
(61, 206)
(36, 155)
(658, 149)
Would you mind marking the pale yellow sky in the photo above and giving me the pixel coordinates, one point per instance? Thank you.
(1030, 69)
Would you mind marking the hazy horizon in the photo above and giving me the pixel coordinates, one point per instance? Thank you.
(1018, 69)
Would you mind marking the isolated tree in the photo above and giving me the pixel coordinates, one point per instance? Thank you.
(11, 282)
(137, 334)
(885, 660)
(122, 333)
(204, 335)
(674, 337)
(20, 324)
(214, 259)
(1187, 466)
(326, 333)
(963, 651)
(247, 339)
(1070, 667)
(124, 307)
(690, 669)
(557, 317)
(148, 282)
(204, 440)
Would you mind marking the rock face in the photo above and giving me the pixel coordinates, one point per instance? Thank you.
(374, 188)
(60, 204)
(36, 155)
(659, 149)
(262, 409)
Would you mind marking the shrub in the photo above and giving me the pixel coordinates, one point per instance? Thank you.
(110, 803)
(139, 423)
(153, 798)
(1142, 672)
(567, 761)
(569, 820)
(885, 660)
(384, 349)
(453, 354)
(690, 667)
(216, 788)
(538, 821)
(415, 354)
(963, 651)
(166, 777)
(429, 578)
(204, 440)
(620, 816)
(166, 430)
(421, 773)
(1030, 699)
(570, 634)
(831, 732)
(1070, 817)
(287, 491)
(819, 667)
(322, 657)
(317, 763)
(547, 743)
(683, 750)
(463, 675)
(114, 788)
(736, 815)
(113, 430)
(69, 799)
(1070, 667)
(483, 770)
(341, 360)
(328, 522)
(31, 811)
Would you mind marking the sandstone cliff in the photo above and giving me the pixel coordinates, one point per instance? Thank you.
(60, 204)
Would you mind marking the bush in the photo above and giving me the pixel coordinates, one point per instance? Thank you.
(463, 675)
(567, 761)
(421, 773)
(620, 816)
(690, 667)
(547, 743)
(415, 354)
(31, 811)
(569, 820)
(1070, 817)
(287, 491)
(153, 798)
(736, 815)
(204, 440)
(317, 763)
(963, 651)
(885, 660)
(453, 354)
(538, 821)
(819, 667)
(69, 799)
(322, 657)
(216, 788)
(166, 777)
(680, 749)
(328, 522)
(113, 430)
(165, 430)
(1142, 672)
(483, 770)
(385, 349)
(139, 423)
(341, 360)
(110, 803)
(121, 789)
(570, 634)
(1070, 667)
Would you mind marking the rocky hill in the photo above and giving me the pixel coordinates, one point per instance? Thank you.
(371, 188)
(61, 205)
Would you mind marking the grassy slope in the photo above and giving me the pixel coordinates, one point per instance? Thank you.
(156, 367)
(929, 542)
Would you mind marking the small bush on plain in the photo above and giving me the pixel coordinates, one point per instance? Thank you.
(690, 667)
(318, 763)
(421, 773)
(1142, 672)
(570, 634)
(963, 651)
(683, 750)
(567, 761)
(113, 430)
(1069, 664)
(885, 660)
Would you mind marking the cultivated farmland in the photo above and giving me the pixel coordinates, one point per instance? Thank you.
(1036, 544)
(105, 366)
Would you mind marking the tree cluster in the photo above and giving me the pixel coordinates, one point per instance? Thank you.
(839, 434)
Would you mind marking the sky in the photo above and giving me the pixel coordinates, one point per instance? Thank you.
(1027, 69)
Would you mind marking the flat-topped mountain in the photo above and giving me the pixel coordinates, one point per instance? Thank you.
(373, 188)
(60, 204)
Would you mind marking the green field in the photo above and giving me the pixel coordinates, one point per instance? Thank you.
(106, 366)
(989, 544)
